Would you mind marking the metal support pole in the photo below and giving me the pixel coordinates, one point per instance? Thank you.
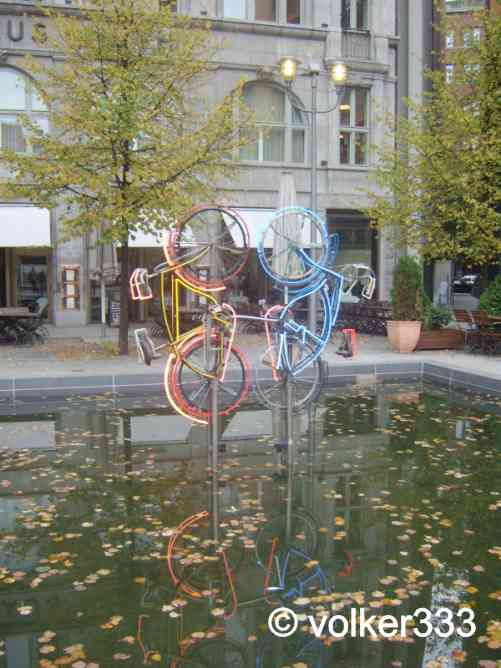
(312, 302)
(291, 457)
(213, 426)
(103, 306)
(214, 443)
(312, 457)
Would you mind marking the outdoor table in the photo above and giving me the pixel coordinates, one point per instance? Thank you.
(15, 311)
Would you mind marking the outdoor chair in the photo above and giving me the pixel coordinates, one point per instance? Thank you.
(468, 327)
(489, 333)
(480, 333)
(31, 330)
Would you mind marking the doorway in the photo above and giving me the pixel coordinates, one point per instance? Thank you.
(32, 281)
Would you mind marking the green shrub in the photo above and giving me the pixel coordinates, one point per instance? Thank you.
(437, 317)
(407, 295)
(490, 300)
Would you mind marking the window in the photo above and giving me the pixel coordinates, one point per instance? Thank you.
(32, 275)
(294, 11)
(280, 135)
(354, 15)
(449, 73)
(235, 9)
(449, 40)
(358, 242)
(471, 37)
(471, 69)
(354, 127)
(265, 10)
(18, 96)
(258, 10)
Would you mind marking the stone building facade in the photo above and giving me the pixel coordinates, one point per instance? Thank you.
(385, 44)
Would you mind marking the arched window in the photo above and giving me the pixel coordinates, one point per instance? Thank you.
(280, 135)
(18, 96)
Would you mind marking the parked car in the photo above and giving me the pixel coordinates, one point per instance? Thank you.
(466, 282)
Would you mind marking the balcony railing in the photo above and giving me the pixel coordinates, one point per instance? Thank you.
(464, 5)
(356, 45)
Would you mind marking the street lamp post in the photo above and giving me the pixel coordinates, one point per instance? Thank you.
(338, 75)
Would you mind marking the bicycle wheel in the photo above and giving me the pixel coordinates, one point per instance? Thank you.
(291, 230)
(270, 382)
(303, 539)
(210, 238)
(198, 565)
(192, 390)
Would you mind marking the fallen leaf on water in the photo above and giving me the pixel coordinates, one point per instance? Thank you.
(47, 649)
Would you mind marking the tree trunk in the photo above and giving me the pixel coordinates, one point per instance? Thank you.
(123, 335)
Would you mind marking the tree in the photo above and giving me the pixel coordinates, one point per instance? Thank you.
(438, 185)
(135, 140)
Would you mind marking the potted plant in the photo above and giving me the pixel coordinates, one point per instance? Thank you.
(407, 300)
(435, 334)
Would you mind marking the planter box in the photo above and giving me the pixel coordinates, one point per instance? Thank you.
(440, 339)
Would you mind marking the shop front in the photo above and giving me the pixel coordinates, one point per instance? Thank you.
(244, 292)
(25, 258)
(358, 241)
(104, 261)
(253, 286)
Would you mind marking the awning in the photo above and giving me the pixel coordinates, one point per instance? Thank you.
(256, 221)
(24, 225)
(145, 240)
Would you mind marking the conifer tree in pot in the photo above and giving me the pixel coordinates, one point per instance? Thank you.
(407, 299)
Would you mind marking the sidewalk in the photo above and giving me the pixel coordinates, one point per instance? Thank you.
(45, 362)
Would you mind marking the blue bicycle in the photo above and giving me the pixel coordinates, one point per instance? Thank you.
(300, 265)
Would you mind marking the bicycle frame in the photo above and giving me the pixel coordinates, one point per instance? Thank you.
(289, 330)
(301, 585)
(141, 290)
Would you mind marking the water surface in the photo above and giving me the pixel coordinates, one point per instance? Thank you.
(389, 501)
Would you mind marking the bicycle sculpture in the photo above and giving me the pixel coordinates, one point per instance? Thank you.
(202, 255)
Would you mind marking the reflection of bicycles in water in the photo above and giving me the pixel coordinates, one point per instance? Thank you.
(298, 532)
(200, 566)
